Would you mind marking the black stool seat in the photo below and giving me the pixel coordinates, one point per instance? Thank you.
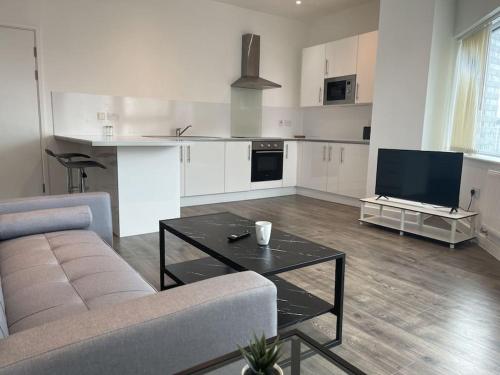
(82, 164)
(67, 160)
(68, 155)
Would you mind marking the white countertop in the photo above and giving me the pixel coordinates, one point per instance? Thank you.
(170, 141)
(120, 140)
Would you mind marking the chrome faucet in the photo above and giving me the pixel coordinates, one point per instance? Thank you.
(180, 131)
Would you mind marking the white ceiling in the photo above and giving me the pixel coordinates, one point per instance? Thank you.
(308, 10)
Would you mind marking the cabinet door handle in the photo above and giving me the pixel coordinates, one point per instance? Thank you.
(329, 153)
(249, 152)
(180, 148)
(189, 154)
(324, 153)
(357, 91)
(326, 67)
(342, 154)
(286, 151)
(319, 96)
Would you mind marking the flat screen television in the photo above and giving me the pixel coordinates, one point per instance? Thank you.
(421, 176)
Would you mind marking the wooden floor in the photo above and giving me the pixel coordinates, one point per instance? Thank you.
(412, 306)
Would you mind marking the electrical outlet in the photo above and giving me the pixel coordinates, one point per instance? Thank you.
(101, 116)
(288, 123)
(477, 191)
(112, 116)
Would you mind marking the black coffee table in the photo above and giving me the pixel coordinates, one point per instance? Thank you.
(285, 252)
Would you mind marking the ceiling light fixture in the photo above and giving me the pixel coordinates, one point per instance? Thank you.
(298, 2)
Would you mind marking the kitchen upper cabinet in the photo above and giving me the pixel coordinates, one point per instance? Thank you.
(366, 61)
(204, 168)
(341, 57)
(290, 160)
(353, 170)
(313, 75)
(313, 168)
(238, 166)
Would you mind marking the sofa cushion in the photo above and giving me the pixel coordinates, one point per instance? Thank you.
(13, 225)
(50, 276)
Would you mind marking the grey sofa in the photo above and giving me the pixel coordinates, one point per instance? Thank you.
(71, 305)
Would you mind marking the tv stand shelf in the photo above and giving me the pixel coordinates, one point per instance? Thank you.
(450, 236)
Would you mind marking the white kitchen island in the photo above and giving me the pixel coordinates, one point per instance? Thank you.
(142, 177)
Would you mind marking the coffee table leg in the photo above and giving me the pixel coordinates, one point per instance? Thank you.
(338, 306)
(295, 358)
(162, 258)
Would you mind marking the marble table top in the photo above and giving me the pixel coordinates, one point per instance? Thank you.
(285, 251)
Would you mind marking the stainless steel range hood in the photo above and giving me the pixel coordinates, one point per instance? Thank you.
(250, 61)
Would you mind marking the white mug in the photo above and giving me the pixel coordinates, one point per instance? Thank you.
(263, 232)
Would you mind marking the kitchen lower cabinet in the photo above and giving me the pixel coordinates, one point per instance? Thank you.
(336, 168)
(314, 165)
(204, 168)
(353, 170)
(290, 160)
(333, 170)
(238, 166)
(182, 158)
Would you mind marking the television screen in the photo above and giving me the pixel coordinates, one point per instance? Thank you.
(422, 176)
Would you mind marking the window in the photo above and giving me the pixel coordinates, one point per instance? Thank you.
(487, 134)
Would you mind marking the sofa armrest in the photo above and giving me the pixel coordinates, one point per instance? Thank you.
(99, 204)
(162, 333)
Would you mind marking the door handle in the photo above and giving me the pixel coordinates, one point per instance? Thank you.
(326, 67)
(249, 152)
(341, 154)
(357, 91)
(286, 151)
(324, 153)
(189, 154)
(319, 96)
(180, 148)
(329, 153)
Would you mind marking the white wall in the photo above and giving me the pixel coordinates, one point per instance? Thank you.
(441, 69)
(340, 122)
(352, 21)
(405, 39)
(186, 50)
(336, 122)
(471, 12)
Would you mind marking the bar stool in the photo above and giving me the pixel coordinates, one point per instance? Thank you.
(66, 159)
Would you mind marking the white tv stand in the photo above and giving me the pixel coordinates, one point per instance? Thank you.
(450, 236)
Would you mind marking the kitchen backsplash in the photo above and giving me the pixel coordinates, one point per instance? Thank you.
(85, 114)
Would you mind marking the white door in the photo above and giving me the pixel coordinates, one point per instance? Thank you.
(204, 168)
(238, 166)
(290, 166)
(21, 172)
(341, 57)
(182, 157)
(367, 58)
(314, 165)
(313, 75)
(353, 170)
(334, 151)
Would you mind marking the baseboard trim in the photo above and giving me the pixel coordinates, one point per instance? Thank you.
(492, 247)
(238, 196)
(329, 197)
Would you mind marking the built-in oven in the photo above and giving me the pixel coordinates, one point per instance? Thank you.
(267, 160)
(340, 90)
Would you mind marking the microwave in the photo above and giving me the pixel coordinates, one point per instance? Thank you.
(340, 90)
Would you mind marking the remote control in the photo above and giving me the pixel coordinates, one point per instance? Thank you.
(236, 237)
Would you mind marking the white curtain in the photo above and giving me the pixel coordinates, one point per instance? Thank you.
(471, 68)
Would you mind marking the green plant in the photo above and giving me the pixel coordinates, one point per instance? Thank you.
(261, 356)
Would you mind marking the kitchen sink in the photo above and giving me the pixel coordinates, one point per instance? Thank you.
(182, 136)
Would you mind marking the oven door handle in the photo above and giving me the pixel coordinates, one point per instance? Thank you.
(269, 152)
